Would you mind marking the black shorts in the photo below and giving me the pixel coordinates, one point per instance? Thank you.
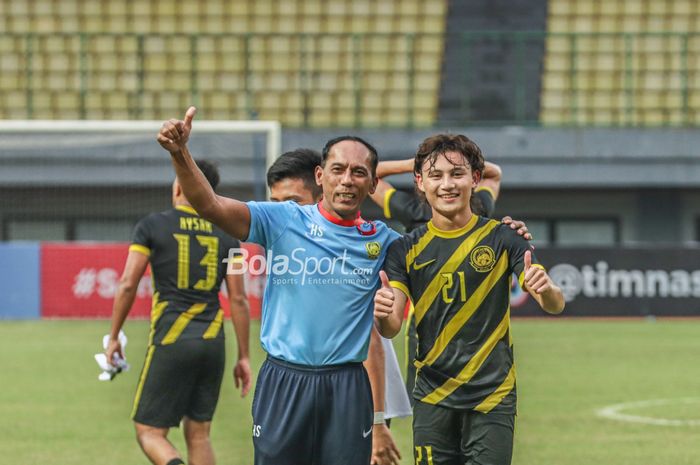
(180, 379)
(444, 436)
(312, 416)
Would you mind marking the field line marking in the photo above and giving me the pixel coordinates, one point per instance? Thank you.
(615, 412)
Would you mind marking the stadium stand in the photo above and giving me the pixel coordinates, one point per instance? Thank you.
(617, 68)
(310, 63)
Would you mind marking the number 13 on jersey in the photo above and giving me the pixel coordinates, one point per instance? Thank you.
(209, 261)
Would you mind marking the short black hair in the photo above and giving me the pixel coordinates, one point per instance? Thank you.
(210, 171)
(297, 164)
(374, 157)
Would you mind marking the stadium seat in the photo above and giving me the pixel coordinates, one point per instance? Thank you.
(109, 59)
(631, 66)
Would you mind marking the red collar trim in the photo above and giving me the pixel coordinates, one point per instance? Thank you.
(335, 220)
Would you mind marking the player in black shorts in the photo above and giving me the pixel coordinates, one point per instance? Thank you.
(184, 366)
(456, 270)
(412, 211)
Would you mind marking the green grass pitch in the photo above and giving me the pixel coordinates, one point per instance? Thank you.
(53, 409)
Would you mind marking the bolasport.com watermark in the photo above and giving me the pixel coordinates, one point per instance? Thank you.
(298, 268)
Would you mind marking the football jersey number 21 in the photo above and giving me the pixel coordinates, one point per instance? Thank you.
(209, 261)
(449, 284)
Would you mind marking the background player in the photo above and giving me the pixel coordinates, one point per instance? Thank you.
(412, 211)
(291, 177)
(456, 269)
(313, 403)
(184, 366)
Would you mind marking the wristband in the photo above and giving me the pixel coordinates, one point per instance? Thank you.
(379, 418)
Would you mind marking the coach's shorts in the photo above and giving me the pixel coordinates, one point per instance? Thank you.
(312, 416)
(444, 436)
(177, 380)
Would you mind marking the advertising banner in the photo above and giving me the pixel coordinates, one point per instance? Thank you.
(650, 281)
(79, 280)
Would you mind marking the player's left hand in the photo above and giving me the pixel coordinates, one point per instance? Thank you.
(384, 450)
(242, 376)
(536, 279)
(519, 226)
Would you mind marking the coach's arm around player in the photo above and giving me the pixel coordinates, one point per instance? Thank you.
(231, 215)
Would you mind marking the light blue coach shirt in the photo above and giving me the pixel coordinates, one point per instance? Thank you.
(322, 275)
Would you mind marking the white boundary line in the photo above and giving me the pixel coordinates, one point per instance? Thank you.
(614, 412)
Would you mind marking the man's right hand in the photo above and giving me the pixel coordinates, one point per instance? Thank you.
(174, 134)
(384, 298)
(113, 347)
(384, 449)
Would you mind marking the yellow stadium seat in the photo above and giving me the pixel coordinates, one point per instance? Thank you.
(11, 81)
(427, 62)
(610, 8)
(555, 81)
(557, 62)
(427, 82)
(560, 8)
(659, 8)
(632, 24)
(551, 99)
(15, 99)
(583, 23)
(230, 82)
(681, 23)
(585, 7)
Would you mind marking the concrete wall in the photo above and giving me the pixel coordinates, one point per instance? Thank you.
(648, 180)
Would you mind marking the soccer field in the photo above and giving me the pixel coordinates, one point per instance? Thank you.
(54, 410)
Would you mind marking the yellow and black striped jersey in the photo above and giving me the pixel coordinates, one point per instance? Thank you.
(186, 254)
(459, 283)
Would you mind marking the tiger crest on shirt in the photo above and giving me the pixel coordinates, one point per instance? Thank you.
(482, 259)
(374, 249)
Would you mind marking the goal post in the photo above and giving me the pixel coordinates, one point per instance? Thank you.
(271, 129)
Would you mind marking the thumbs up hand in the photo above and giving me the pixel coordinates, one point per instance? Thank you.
(384, 298)
(174, 134)
(536, 279)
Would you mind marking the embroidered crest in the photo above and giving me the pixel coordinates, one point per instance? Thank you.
(374, 248)
(482, 259)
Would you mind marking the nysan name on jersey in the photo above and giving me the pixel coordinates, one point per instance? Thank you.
(459, 283)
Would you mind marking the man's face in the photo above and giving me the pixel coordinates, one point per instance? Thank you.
(346, 178)
(447, 183)
(292, 189)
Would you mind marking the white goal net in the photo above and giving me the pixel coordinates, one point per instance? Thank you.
(91, 180)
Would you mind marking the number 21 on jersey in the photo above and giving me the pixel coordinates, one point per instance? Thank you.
(448, 295)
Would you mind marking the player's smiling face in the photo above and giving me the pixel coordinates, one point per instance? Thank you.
(447, 181)
(346, 178)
